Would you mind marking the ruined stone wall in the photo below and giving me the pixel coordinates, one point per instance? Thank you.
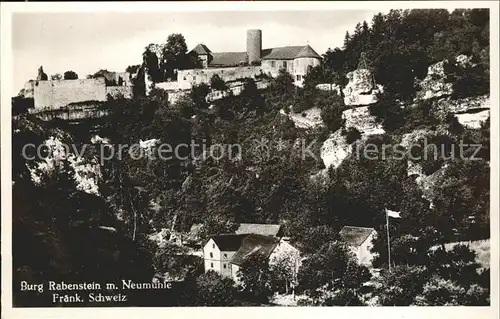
(168, 86)
(59, 93)
(124, 77)
(236, 90)
(187, 78)
(117, 91)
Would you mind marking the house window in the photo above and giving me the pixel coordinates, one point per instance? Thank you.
(284, 64)
(211, 255)
(225, 255)
(213, 245)
(211, 265)
(225, 266)
(194, 78)
(298, 77)
(184, 78)
(273, 64)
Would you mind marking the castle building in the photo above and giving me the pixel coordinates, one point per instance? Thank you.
(235, 66)
(294, 59)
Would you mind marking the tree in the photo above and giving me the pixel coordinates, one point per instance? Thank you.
(440, 292)
(151, 63)
(175, 56)
(176, 262)
(352, 134)
(56, 76)
(217, 83)
(132, 68)
(214, 290)
(70, 75)
(284, 271)
(255, 277)
(332, 268)
(281, 90)
(199, 94)
(401, 285)
(458, 265)
(332, 106)
(316, 237)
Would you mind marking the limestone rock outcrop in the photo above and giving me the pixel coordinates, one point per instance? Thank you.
(361, 119)
(470, 111)
(85, 173)
(434, 84)
(361, 88)
(335, 149)
(309, 118)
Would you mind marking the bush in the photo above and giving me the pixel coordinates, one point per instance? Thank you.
(70, 75)
(214, 290)
(217, 83)
(351, 135)
(440, 292)
(400, 286)
(199, 94)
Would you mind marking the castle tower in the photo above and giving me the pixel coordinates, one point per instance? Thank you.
(254, 45)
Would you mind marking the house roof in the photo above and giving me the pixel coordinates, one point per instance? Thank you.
(355, 236)
(201, 49)
(281, 53)
(289, 53)
(260, 229)
(228, 58)
(228, 242)
(307, 52)
(253, 244)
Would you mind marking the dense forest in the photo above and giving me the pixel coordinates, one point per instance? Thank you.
(62, 232)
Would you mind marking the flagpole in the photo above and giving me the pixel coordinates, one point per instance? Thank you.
(388, 238)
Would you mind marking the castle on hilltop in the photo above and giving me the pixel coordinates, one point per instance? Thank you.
(234, 66)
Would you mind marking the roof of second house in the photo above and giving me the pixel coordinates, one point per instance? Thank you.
(289, 53)
(307, 52)
(252, 245)
(355, 236)
(227, 59)
(228, 242)
(259, 229)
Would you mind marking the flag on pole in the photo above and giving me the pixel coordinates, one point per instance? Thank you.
(392, 213)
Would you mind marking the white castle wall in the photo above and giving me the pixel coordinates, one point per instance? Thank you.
(187, 78)
(59, 93)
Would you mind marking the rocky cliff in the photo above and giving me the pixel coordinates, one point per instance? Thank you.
(361, 89)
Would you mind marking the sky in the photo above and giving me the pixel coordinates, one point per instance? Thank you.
(87, 42)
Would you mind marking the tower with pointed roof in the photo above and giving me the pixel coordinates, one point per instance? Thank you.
(204, 54)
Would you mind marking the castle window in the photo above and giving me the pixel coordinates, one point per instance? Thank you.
(273, 64)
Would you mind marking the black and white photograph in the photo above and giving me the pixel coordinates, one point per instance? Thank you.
(250, 157)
